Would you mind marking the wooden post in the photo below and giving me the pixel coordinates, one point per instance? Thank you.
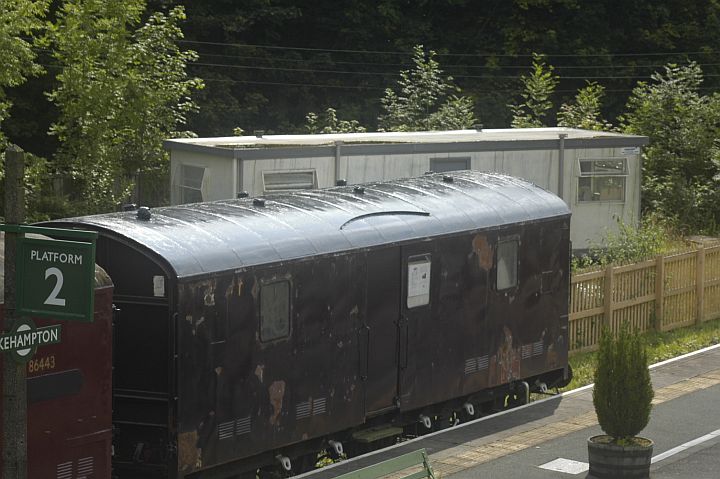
(659, 292)
(14, 402)
(607, 319)
(700, 283)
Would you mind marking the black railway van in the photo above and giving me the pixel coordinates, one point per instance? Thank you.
(257, 332)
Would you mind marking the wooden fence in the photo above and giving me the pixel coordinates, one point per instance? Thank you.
(668, 292)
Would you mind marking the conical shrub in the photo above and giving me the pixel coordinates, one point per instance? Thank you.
(623, 391)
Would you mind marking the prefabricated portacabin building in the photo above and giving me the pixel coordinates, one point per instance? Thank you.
(596, 173)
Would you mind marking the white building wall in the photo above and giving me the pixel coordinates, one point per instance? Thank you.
(219, 180)
(363, 169)
(590, 222)
(537, 166)
(252, 171)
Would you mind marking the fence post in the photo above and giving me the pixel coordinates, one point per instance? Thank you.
(700, 284)
(608, 298)
(659, 292)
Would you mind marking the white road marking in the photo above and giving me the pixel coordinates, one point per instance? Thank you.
(576, 467)
(567, 466)
(713, 435)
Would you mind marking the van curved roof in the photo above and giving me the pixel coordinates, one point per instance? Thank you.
(203, 238)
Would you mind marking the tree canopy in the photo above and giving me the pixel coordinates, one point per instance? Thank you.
(681, 167)
(122, 89)
(122, 76)
(19, 20)
(425, 100)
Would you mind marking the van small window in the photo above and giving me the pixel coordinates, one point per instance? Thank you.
(274, 310)
(507, 264)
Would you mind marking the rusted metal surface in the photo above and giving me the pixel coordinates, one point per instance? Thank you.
(390, 302)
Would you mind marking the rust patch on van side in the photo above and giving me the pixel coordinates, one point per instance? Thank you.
(276, 392)
(259, 371)
(483, 252)
(189, 455)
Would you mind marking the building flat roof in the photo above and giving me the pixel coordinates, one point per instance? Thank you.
(506, 134)
(407, 142)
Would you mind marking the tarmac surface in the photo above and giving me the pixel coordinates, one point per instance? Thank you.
(548, 438)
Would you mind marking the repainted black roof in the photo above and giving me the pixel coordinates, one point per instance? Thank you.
(203, 238)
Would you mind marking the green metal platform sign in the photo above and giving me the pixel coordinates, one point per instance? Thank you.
(55, 278)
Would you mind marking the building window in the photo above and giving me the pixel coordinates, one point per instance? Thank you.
(507, 264)
(602, 179)
(289, 180)
(441, 165)
(191, 183)
(274, 310)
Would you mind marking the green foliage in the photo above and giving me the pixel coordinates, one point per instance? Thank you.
(41, 202)
(681, 165)
(623, 391)
(632, 243)
(329, 123)
(122, 90)
(585, 111)
(425, 101)
(360, 39)
(670, 344)
(583, 368)
(19, 20)
(659, 345)
(538, 87)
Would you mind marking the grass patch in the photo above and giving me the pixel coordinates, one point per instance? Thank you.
(660, 346)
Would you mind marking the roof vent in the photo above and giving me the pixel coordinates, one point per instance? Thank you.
(259, 202)
(359, 190)
(341, 183)
(129, 207)
(448, 179)
(242, 194)
(143, 213)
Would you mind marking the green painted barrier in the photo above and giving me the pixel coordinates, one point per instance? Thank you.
(392, 466)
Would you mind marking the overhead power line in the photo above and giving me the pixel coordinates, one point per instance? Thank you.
(298, 70)
(284, 84)
(408, 64)
(390, 74)
(362, 87)
(405, 65)
(406, 53)
(304, 49)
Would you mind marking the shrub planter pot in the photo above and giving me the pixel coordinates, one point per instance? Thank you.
(609, 460)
